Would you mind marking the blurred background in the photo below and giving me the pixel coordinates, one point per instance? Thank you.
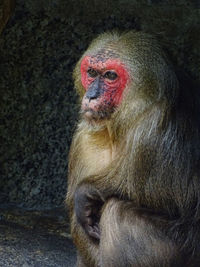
(40, 42)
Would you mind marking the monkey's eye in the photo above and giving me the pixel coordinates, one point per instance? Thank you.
(111, 75)
(92, 73)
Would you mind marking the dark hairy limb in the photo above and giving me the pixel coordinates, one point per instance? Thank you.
(133, 237)
(88, 202)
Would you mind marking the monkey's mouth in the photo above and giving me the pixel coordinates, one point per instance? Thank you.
(95, 116)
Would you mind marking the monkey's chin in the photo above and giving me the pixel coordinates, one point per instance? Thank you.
(93, 118)
(89, 115)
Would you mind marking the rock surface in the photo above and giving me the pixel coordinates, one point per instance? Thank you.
(35, 239)
(39, 47)
(38, 107)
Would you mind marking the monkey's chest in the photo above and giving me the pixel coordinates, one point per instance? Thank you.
(96, 159)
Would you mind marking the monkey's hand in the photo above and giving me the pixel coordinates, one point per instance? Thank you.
(88, 203)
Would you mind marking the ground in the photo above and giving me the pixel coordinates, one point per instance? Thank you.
(35, 239)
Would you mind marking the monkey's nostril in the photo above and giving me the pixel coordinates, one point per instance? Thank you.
(92, 94)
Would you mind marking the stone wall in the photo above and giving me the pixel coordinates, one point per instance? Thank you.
(38, 108)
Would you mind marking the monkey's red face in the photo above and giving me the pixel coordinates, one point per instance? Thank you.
(104, 81)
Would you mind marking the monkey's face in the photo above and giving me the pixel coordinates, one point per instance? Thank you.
(104, 81)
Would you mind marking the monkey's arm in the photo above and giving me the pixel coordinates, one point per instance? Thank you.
(88, 202)
(133, 237)
(128, 236)
(88, 198)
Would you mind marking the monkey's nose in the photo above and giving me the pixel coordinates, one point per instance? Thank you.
(93, 91)
(92, 94)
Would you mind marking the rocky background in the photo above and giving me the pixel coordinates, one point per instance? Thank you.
(40, 42)
(39, 47)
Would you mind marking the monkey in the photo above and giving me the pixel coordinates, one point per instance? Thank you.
(134, 163)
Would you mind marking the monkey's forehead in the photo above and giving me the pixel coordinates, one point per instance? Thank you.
(102, 65)
(103, 54)
(101, 59)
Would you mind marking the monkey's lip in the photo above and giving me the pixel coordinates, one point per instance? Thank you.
(89, 114)
(92, 116)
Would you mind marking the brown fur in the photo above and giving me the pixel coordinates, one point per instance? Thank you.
(143, 244)
(7, 10)
(147, 156)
